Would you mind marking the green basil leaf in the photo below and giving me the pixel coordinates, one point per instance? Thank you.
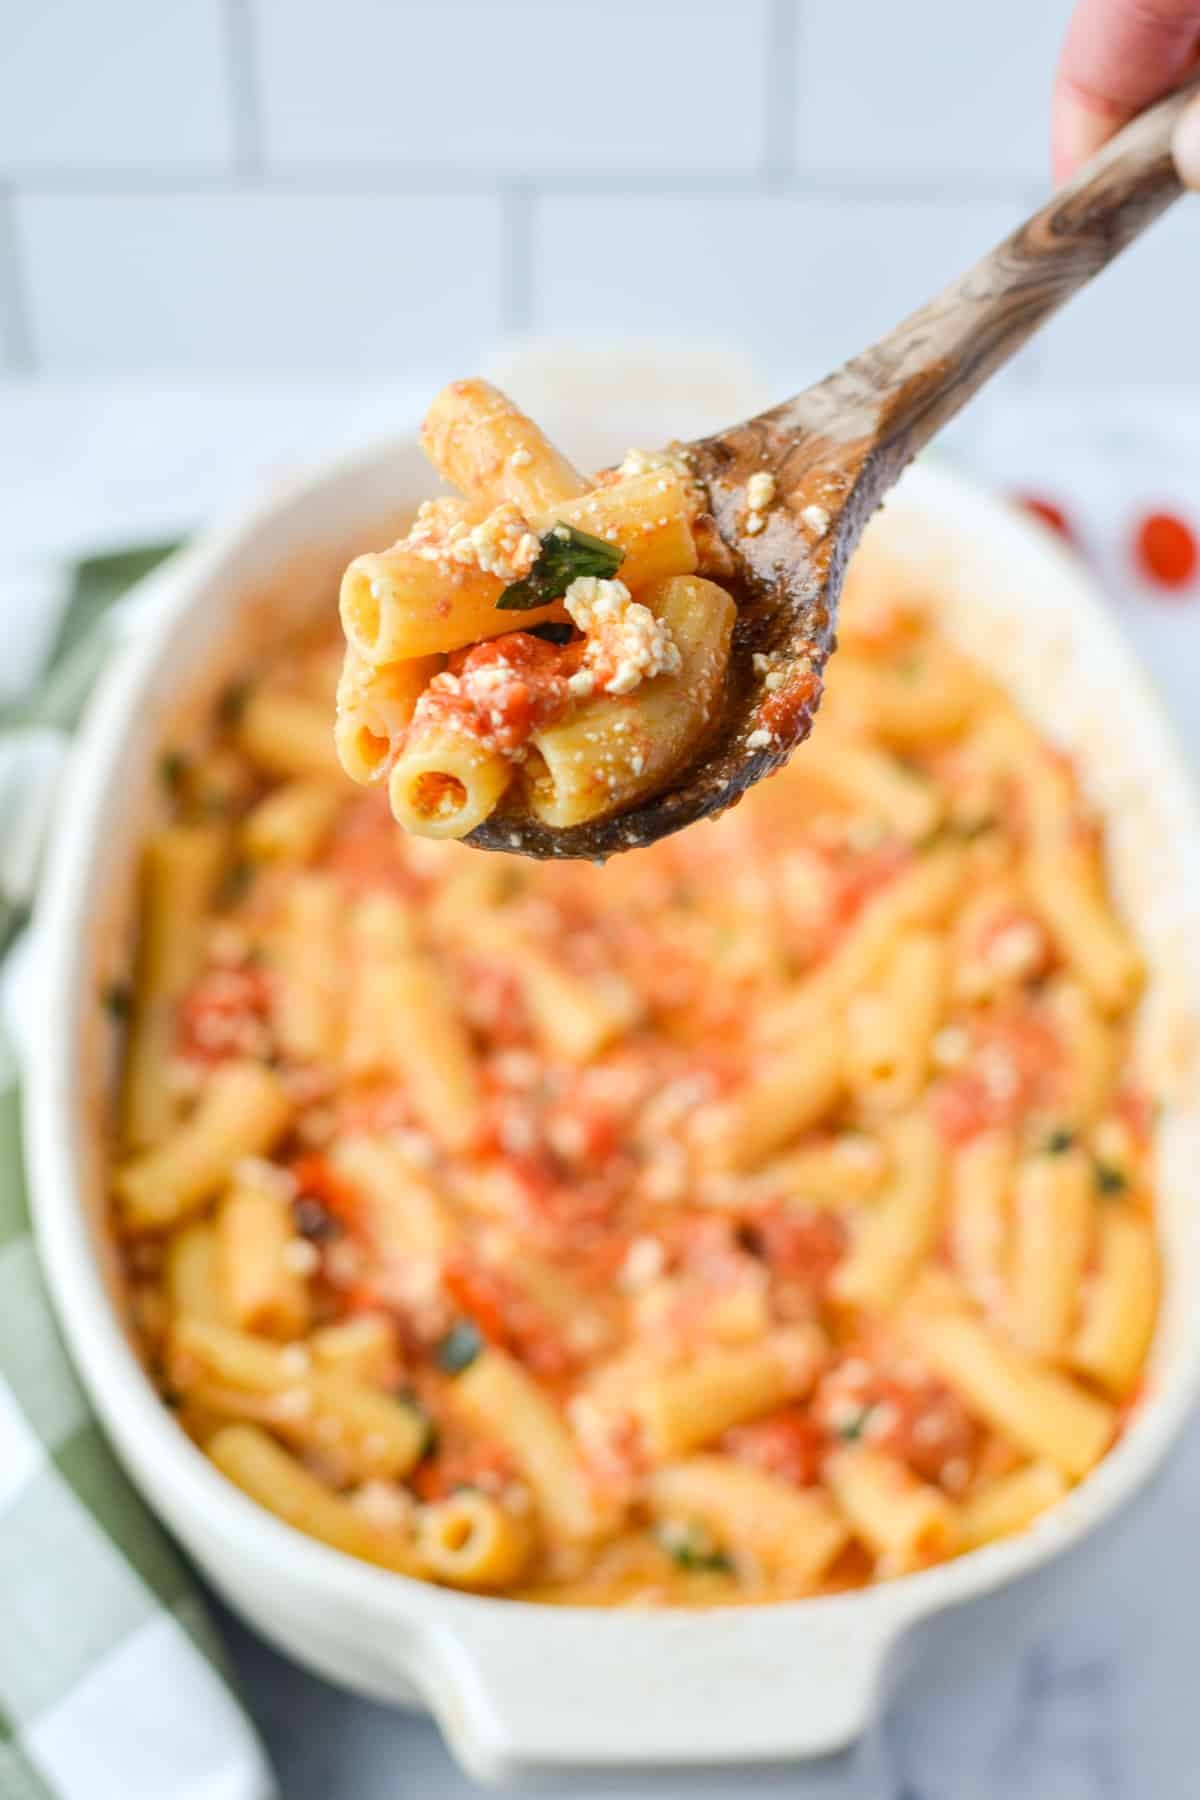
(566, 554)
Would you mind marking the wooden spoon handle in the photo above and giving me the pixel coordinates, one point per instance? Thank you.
(904, 389)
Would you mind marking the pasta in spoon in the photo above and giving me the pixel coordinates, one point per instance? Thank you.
(539, 644)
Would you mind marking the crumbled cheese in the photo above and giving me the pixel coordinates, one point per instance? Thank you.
(383, 1504)
(760, 663)
(591, 601)
(300, 1257)
(760, 491)
(520, 459)
(644, 462)
(774, 681)
(582, 684)
(644, 1262)
(503, 544)
(859, 1152)
(817, 519)
(755, 522)
(1016, 949)
(257, 1172)
(883, 1418)
(626, 643)
(950, 1047)
(758, 740)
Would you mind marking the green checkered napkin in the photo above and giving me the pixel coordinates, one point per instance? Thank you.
(112, 1681)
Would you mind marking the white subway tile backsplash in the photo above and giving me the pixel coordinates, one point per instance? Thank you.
(802, 283)
(524, 86)
(931, 87)
(114, 83)
(260, 283)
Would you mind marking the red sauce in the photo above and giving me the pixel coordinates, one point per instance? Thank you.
(316, 1181)
(1013, 1068)
(789, 1444)
(502, 691)
(1166, 551)
(363, 852)
(482, 1466)
(800, 1246)
(904, 1413)
(784, 713)
(224, 1015)
(506, 1316)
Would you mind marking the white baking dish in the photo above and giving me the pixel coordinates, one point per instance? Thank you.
(517, 1688)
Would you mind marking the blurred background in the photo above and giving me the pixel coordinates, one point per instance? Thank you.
(237, 233)
(363, 191)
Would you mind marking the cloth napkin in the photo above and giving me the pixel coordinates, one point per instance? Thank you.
(113, 1684)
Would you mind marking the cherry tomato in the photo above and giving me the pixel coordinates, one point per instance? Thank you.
(1049, 512)
(1165, 550)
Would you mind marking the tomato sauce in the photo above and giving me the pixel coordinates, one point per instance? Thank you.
(501, 691)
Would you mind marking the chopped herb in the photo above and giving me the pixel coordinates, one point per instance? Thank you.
(1110, 1180)
(850, 1430)
(691, 1547)
(552, 633)
(1059, 1142)
(429, 1443)
(313, 1220)
(173, 768)
(239, 880)
(231, 703)
(118, 1001)
(459, 1348)
(567, 553)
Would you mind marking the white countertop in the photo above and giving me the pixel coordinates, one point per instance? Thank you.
(1088, 1696)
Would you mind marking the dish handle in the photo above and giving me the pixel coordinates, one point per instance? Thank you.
(521, 1691)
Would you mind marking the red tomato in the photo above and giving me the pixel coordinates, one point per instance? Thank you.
(222, 1015)
(1049, 512)
(506, 1316)
(800, 1246)
(788, 1444)
(503, 690)
(315, 1180)
(481, 1466)
(1166, 551)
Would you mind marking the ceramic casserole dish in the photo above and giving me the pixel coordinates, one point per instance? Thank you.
(518, 1688)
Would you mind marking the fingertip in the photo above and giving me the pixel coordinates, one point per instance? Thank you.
(1078, 131)
(1185, 145)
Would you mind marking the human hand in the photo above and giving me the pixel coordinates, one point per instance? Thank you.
(1118, 57)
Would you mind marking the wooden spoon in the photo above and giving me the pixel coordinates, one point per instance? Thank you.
(836, 449)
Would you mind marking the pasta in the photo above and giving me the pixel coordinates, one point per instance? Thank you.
(541, 642)
(764, 1214)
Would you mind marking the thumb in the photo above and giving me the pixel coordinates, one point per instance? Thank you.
(1186, 146)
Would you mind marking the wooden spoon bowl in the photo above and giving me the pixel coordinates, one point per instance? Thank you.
(834, 451)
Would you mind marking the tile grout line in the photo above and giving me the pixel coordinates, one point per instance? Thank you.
(242, 75)
(518, 223)
(781, 42)
(16, 333)
(862, 187)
